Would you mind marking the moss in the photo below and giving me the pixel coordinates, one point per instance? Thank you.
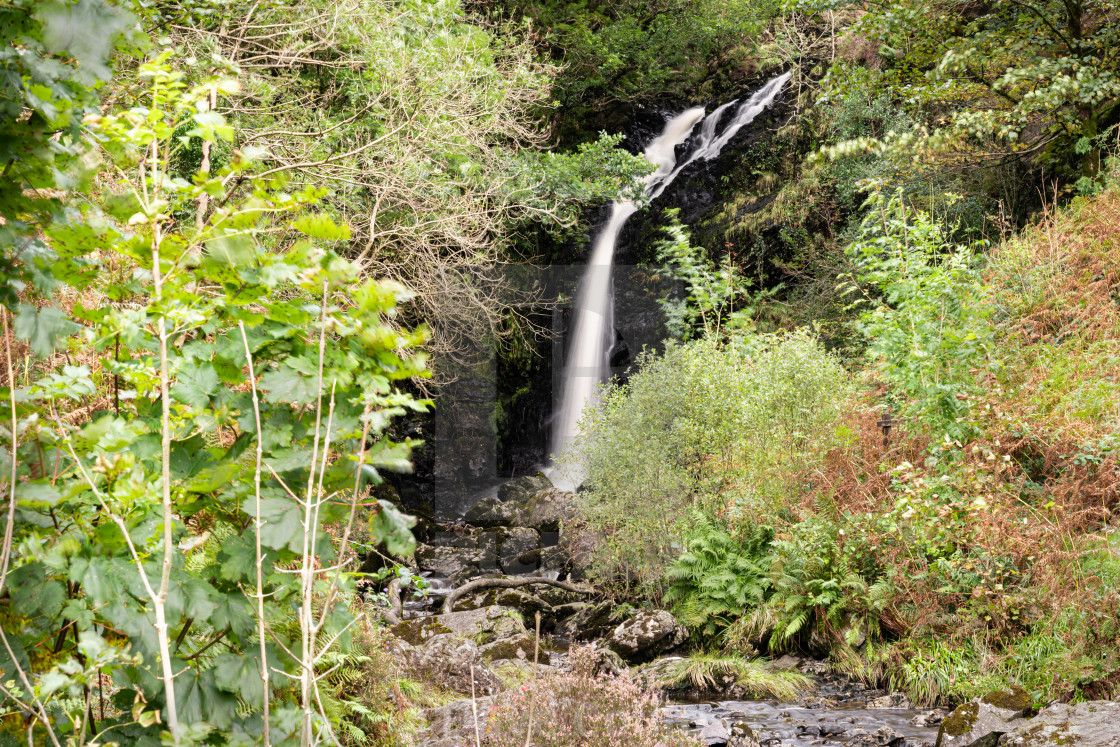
(960, 721)
(1014, 698)
(416, 632)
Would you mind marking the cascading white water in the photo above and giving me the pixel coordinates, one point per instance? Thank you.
(592, 334)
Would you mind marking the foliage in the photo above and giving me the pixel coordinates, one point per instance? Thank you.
(50, 72)
(193, 337)
(716, 672)
(729, 429)
(709, 294)
(580, 707)
(424, 124)
(1017, 76)
(927, 334)
(719, 578)
(633, 51)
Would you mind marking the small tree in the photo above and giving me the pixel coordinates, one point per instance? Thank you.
(223, 398)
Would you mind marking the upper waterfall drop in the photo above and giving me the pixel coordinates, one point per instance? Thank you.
(592, 336)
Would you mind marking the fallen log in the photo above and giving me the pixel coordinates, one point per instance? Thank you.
(506, 582)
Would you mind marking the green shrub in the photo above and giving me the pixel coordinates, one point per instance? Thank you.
(928, 331)
(730, 429)
(719, 578)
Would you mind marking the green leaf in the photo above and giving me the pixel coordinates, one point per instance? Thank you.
(393, 528)
(195, 385)
(321, 226)
(282, 524)
(43, 328)
(37, 494)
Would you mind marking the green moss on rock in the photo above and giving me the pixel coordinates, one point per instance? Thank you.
(1014, 698)
(960, 721)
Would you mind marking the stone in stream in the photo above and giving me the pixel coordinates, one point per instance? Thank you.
(647, 634)
(893, 700)
(929, 718)
(742, 735)
(884, 736)
(715, 733)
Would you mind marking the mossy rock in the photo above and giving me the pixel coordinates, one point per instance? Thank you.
(960, 721)
(481, 625)
(521, 648)
(1014, 698)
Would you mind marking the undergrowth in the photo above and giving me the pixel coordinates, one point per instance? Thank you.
(975, 544)
(715, 672)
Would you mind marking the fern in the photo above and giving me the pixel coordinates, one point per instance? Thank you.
(719, 578)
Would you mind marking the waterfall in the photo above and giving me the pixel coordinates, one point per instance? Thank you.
(592, 334)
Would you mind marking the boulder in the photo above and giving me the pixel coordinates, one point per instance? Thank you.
(459, 562)
(554, 559)
(452, 661)
(517, 542)
(488, 550)
(1095, 723)
(547, 510)
(929, 718)
(481, 626)
(578, 548)
(521, 489)
(894, 700)
(519, 648)
(715, 734)
(981, 722)
(647, 634)
(587, 621)
(491, 512)
(454, 720)
(884, 736)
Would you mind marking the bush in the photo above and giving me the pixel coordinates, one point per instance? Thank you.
(730, 429)
(719, 578)
(581, 708)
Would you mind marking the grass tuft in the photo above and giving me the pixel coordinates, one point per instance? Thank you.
(711, 672)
